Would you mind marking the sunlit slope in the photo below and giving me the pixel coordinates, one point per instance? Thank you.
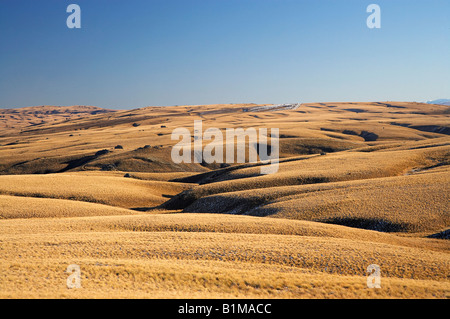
(358, 184)
(413, 203)
(168, 221)
(168, 256)
(395, 189)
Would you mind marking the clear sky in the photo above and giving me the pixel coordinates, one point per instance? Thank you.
(131, 54)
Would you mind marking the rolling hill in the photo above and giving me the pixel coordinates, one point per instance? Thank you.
(357, 184)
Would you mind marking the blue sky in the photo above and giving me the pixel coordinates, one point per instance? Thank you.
(131, 54)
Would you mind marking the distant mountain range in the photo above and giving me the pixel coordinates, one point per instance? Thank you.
(440, 101)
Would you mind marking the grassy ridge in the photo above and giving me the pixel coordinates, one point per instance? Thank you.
(358, 184)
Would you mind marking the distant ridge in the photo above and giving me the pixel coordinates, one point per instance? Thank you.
(440, 102)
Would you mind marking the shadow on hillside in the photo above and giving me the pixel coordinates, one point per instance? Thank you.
(370, 224)
(441, 235)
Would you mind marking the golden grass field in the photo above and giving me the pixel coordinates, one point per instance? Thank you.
(358, 184)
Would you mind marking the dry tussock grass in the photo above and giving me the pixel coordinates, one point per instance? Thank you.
(122, 255)
(112, 278)
(343, 166)
(204, 256)
(418, 204)
(170, 221)
(387, 166)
